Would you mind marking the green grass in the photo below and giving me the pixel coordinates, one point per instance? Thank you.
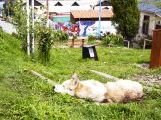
(23, 96)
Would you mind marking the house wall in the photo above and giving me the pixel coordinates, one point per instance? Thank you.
(67, 5)
(152, 23)
(91, 28)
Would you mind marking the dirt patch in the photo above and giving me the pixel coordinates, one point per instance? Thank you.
(149, 80)
(143, 65)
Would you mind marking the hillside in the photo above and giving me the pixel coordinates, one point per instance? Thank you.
(23, 96)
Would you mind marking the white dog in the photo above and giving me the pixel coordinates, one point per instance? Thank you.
(119, 91)
(88, 89)
(123, 91)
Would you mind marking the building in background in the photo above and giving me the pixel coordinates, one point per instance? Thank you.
(88, 21)
(60, 10)
(80, 15)
(150, 18)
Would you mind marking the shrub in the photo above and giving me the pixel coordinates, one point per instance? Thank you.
(45, 37)
(20, 21)
(113, 40)
(45, 40)
(1, 29)
(91, 39)
(60, 36)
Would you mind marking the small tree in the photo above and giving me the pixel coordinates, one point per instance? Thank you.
(45, 41)
(20, 21)
(126, 17)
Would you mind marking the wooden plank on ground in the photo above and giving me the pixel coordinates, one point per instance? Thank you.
(49, 81)
(105, 75)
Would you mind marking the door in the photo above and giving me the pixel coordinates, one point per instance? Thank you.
(145, 27)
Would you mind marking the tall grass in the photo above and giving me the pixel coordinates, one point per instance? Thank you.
(23, 96)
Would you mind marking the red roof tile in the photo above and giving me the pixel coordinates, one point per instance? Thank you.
(91, 14)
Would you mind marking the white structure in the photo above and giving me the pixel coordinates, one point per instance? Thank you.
(61, 12)
(66, 6)
(148, 23)
(150, 18)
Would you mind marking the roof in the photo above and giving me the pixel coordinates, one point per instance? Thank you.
(91, 14)
(70, 2)
(36, 3)
(104, 3)
(150, 8)
(67, 5)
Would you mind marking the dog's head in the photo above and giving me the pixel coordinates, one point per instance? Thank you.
(69, 86)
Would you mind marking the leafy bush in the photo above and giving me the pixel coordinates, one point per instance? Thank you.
(91, 39)
(45, 40)
(60, 36)
(20, 21)
(45, 37)
(113, 40)
(1, 29)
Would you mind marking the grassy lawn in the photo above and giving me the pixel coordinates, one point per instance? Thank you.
(23, 96)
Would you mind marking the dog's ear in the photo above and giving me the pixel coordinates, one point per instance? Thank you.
(74, 81)
(75, 76)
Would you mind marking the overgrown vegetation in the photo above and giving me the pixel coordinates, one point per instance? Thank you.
(91, 40)
(20, 21)
(60, 36)
(112, 40)
(126, 17)
(45, 38)
(45, 41)
(23, 96)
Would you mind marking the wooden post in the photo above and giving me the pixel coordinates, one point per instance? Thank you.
(156, 49)
(72, 45)
(47, 12)
(144, 44)
(82, 43)
(128, 44)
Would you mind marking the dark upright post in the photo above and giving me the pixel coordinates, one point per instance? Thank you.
(155, 60)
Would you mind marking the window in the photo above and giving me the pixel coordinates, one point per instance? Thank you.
(58, 4)
(106, 8)
(145, 27)
(158, 25)
(75, 4)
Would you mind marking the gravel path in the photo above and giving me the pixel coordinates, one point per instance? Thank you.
(149, 80)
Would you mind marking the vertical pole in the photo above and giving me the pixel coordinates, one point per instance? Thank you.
(8, 5)
(82, 42)
(33, 40)
(99, 22)
(28, 25)
(47, 12)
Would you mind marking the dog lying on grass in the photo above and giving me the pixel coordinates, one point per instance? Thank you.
(123, 91)
(112, 92)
